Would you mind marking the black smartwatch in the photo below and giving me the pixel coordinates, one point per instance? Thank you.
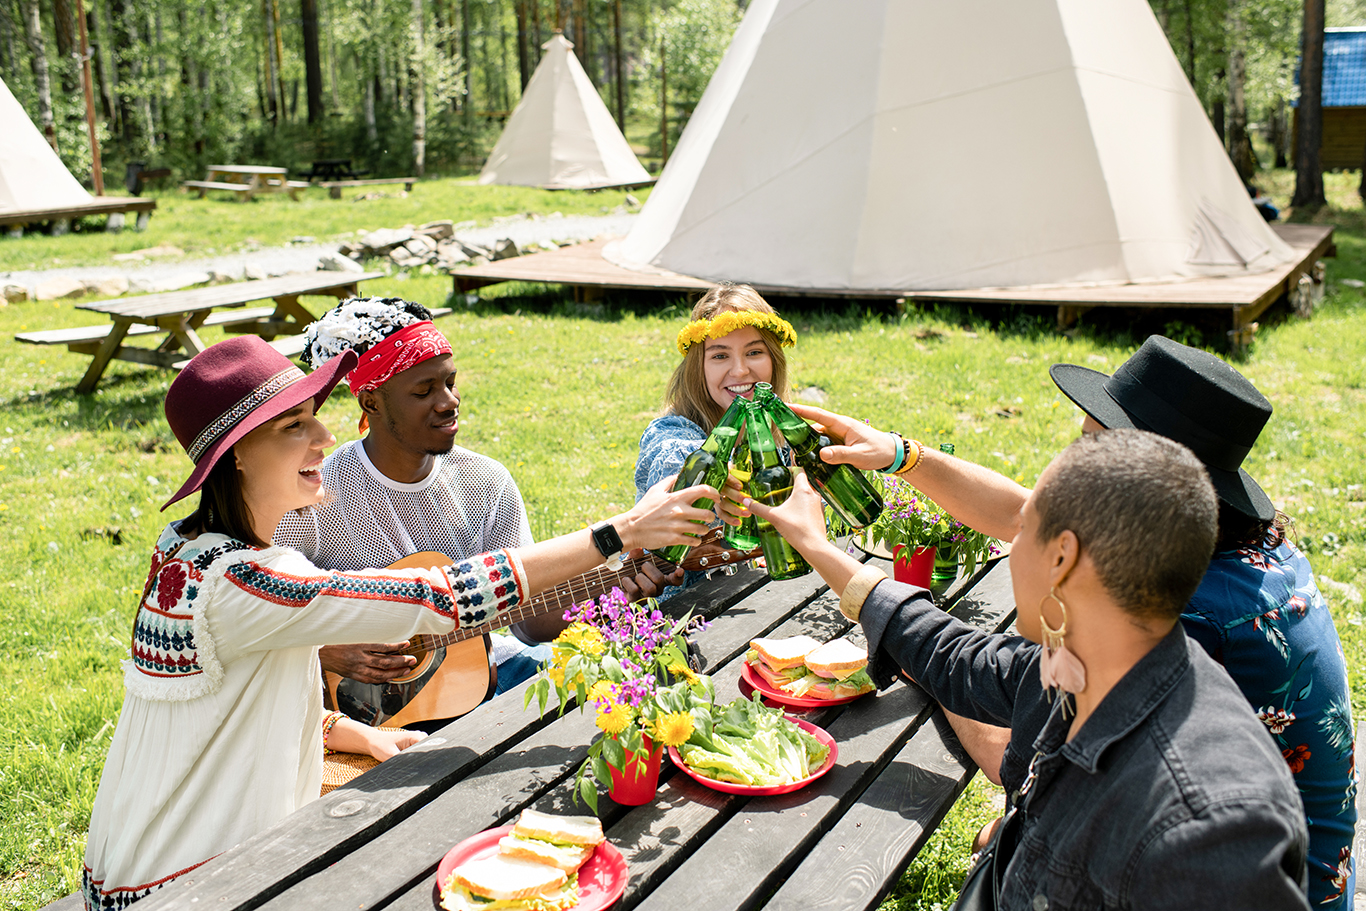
(608, 543)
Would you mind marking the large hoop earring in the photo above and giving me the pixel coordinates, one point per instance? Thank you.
(1058, 667)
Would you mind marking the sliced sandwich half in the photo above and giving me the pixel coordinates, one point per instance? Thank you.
(803, 667)
(563, 842)
(501, 883)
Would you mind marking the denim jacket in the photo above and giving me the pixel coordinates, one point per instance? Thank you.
(1170, 796)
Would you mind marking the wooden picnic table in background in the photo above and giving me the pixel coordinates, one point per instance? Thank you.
(247, 180)
(839, 843)
(332, 169)
(177, 315)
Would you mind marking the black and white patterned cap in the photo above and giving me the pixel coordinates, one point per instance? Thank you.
(356, 324)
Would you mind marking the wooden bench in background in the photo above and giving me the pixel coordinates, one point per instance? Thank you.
(334, 187)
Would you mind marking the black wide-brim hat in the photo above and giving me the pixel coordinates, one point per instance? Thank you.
(1186, 395)
(229, 389)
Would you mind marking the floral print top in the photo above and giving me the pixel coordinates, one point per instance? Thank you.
(1259, 613)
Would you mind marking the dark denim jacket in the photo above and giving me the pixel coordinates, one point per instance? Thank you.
(1172, 795)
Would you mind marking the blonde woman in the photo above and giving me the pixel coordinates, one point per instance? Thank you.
(735, 339)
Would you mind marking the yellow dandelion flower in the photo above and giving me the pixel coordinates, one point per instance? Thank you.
(556, 675)
(726, 323)
(673, 728)
(613, 719)
(682, 670)
(600, 691)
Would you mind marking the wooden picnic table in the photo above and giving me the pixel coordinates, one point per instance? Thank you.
(247, 180)
(332, 169)
(177, 315)
(839, 843)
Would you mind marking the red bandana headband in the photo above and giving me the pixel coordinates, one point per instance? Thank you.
(406, 348)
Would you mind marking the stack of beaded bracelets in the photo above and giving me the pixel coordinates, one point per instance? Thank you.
(899, 464)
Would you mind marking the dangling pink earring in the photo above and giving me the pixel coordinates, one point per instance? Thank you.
(1058, 667)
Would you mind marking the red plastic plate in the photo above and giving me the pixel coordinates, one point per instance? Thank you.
(772, 694)
(602, 878)
(731, 787)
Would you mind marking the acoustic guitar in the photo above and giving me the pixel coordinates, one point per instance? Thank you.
(455, 671)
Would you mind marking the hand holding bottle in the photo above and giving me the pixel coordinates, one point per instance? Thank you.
(665, 517)
(855, 443)
(800, 519)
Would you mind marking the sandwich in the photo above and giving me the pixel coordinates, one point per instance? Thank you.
(536, 867)
(563, 842)
(501, 882)
(800, 666)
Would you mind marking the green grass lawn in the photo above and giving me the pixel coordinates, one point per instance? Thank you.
(559, 392)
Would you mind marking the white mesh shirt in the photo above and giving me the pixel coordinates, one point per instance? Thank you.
(468, 505)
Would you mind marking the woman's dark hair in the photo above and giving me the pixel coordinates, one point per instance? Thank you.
(1238, 530)
(222, 508)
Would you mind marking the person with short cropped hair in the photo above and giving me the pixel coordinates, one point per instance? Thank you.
(1258, 612)
(1151, 785)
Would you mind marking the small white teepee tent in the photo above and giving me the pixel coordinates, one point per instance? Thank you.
(915, 145)
(561, 135)
(31, 174)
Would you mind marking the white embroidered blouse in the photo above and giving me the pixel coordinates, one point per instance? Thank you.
(220, 735)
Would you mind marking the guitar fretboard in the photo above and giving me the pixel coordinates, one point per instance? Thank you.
(582, 588)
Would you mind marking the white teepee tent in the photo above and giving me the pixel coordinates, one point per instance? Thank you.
(31, 175)
(561, 135)
(918, 145)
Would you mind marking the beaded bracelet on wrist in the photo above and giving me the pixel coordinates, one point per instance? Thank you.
(912, 466)
(328, 723)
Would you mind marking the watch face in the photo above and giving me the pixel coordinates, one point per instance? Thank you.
(607, 539)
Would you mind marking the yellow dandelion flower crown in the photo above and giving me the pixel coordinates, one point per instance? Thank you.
(728, 322)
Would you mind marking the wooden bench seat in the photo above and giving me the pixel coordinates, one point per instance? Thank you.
(77, 335)
(334, 187)
(204, 186)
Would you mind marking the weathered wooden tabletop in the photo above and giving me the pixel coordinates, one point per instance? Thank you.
(839, 843)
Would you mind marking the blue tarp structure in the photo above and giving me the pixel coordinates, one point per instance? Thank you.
(1344, 67)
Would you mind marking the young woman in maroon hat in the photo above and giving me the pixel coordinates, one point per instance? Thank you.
(222, 728)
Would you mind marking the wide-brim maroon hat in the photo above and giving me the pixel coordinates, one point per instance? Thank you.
(1186, 395)
(230, 389)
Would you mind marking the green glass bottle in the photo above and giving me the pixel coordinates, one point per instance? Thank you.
(744, 536)
(947, 556)
(709, 465)
(843, 487)
(771, 484)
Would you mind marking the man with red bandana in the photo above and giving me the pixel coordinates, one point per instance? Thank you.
(406, 487)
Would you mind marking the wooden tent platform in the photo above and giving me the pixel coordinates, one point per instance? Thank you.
(1245, 297)
(61, 217)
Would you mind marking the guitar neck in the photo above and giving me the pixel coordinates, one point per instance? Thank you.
(583, 588)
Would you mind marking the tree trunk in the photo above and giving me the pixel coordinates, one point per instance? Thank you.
(465, 58)
(64, 29)
(523, 39)
(331, 58)
(273, 101)
(313, 66)
(1239, 143)
(1217, 115)
(1280, 136)
(1308, 167)
(371, 127)
(419, 92)
(663, 102)
(619, 66)
(87, 83)
(279, 54)
(9, 60)
(103, 72)
(33, 31)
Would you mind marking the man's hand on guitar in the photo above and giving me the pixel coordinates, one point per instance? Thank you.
(370, 663)
(650, 581)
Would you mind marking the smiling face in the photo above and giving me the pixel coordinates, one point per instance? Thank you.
(733, 363)
(419, 409)
(278, 464)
